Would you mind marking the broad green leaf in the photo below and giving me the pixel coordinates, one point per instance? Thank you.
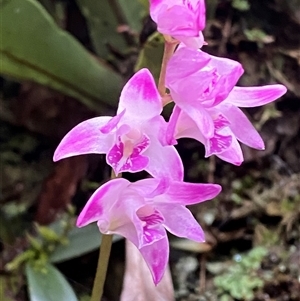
(81, 241)
(104, 17)
(48, 285)
(33, 47)
(151, 55)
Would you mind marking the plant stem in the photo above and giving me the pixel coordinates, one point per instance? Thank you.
(169, 49)
(103, 260)
(101, 267)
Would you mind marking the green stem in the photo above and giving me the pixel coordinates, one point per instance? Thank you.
(103, 260)
(101, 267)
(170, 46)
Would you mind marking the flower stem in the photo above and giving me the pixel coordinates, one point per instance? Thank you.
(102, 267)
(169, 49)
(103, 260)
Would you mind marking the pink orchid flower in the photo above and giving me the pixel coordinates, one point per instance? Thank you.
(207, 103)
(181, 19)
(133, 139)
(142, 211)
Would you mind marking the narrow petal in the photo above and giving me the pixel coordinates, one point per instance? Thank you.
(233, 154)
(248, 97)
(180, 222)
(190, 193)
(85, 138)
(241, 127)
(101, 201)
(171, 128)
(140, 97)
(151, 187)
(164, 161)
(112, 123)
(156, 256)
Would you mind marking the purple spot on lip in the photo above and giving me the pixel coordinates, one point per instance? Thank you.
(132, 162)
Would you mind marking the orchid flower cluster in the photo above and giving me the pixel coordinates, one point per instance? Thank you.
(206, 108)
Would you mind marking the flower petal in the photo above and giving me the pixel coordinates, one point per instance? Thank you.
(151, 187)
(151, 221)
(254, 96)
(112, 123)
(217, 144)
(172, 124)
(140, 97)
(241, 127)
(229, 72)
(101, 201)
(192, 42)
(85, 138)
(156, 256)
(181, 65)
(233, 154)
(180, 222)
(190, 193)
(202, 119)
(164, 161)
(187, 128)
(177, 20)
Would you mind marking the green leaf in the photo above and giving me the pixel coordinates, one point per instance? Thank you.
(104, 17)
(33, 47)
(151, 55)
(81, 241)
(48, 285)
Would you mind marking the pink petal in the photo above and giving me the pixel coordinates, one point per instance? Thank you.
(241, 127)
(180, 222)
(140, 97)
(185, 62)
(152, 226)
(233, 154)
(101, 201)
(193, 89)
(187, 128)
(254, 96)
(217, 144)
(177, 20)
(156, 256)
(151, 187)
(164, 161)
(192, 42)
(190, 193)
(85, 138)
(202, 119)
(229, 71)
(122, 218)
(111, 124)
(172, 124)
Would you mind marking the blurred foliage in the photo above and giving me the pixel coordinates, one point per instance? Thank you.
(58, 60)
(242, 277)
